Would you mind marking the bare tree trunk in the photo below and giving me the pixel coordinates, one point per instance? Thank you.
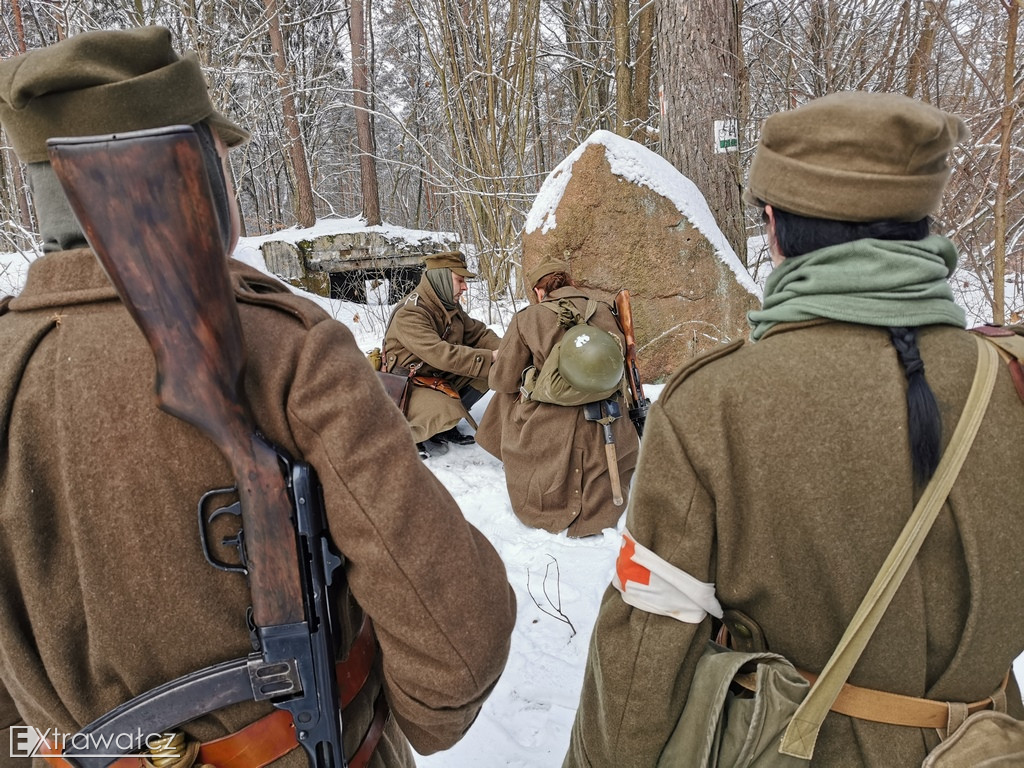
(699, 64)
(644, 59)
(1003, 172)
(623, 72)
(600, 84)
(574, 47)
(921, 59)
(364, 130)
(298, 169)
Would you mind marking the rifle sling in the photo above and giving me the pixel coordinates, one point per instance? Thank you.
(273, 736)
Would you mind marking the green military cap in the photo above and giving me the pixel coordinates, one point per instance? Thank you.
(453, 260)
(104, 82)
(855, 156)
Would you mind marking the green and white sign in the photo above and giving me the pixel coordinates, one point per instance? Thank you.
(726, 136)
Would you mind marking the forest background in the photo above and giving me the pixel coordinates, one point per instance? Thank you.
(447, 115)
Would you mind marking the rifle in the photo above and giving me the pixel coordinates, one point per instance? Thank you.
(144, 202)
(641, 404)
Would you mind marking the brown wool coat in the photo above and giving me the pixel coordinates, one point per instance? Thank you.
(450, 344)
(780, 471)
(556, 468)
(104, 591)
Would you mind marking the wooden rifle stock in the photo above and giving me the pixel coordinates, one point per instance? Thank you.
(145, 206)
(144, 202)
(638, 412)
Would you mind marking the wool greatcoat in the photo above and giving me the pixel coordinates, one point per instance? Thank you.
(104, 590)
(780, 471)
(556, 468)
(450, 344)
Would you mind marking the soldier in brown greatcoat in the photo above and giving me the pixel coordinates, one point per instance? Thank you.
(430, 329)
(104, 589)
(780, 473)
(556, 465)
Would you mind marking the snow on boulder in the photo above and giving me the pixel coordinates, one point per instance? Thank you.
(626, 218)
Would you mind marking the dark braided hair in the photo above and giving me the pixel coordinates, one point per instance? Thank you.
(923, 417)
(798, 235)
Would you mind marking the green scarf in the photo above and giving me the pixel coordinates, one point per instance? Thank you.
(440, 280)
(872, 282)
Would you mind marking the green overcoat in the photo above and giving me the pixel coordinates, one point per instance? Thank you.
(450, 344)
(780, 471)
(104, 591)
(556, 467)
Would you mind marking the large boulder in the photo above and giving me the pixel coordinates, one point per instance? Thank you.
(626, 218)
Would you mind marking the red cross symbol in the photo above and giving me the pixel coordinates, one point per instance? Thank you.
(626, 568)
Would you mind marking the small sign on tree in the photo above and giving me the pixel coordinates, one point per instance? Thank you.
(726, 136)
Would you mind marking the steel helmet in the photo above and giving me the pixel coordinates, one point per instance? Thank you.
(590, 359)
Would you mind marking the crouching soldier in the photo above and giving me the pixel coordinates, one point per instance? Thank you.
(557, 422)
(451, 353)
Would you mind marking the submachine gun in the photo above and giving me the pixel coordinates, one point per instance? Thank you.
(144, 201)
(639, 404)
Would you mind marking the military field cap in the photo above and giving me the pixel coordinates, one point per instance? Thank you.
(855, 156)
(453, 260)
(104, 82)
(545, 267)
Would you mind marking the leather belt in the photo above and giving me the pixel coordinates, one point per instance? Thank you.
(884, 707)
(874, 705)
(273, 736)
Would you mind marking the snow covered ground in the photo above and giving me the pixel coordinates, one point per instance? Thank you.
(558, 581)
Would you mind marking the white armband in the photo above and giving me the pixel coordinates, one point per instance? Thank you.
(651, 584)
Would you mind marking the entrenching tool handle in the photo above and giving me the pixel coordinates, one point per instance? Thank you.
(604, 413)
(613, 472)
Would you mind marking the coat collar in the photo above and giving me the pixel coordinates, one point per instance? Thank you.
(775, 330)
(566, 292)
(63, 278)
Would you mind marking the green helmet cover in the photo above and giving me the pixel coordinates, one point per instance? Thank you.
(591, 359)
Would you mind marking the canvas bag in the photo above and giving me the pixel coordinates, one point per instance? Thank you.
(986, 739)
(547, 385)
(721, 730)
